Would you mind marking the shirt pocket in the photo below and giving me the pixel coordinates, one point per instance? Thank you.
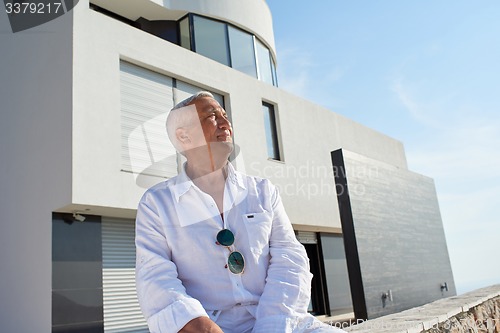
(259, 227)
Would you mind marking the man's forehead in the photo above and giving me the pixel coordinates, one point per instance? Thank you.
(207, 104)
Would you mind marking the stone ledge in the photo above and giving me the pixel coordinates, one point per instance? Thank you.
(427, 316)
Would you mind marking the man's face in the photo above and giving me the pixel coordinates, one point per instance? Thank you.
(214, 122)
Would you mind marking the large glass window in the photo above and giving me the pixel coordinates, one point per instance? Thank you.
(210, 39)
(337, 277)
(317, 305)
(273, 151)
(228, 45)
(242, 51)
(218, 41)
(330, 290)
(264, 63)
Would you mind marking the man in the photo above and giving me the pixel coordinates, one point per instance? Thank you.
(216, 251)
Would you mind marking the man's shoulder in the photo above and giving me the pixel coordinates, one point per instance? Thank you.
(254, 180)
(160, 188)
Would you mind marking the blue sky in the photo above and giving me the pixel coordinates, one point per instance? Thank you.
(426, 73)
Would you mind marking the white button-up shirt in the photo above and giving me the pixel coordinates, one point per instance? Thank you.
(181, 272)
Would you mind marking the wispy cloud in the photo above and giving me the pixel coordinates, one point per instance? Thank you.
(294, 68)
(299, 71)
(461, 153)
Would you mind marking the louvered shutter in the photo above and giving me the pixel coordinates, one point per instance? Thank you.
(307, 237)
(121, 308)
(146, 99)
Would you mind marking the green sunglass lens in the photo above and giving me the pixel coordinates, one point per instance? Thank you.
(235, 262)
(225, 237)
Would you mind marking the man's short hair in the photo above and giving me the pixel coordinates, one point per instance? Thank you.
(191, 99)
(179, 117)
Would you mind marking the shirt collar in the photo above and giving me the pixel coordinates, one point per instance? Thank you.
(235, 177)
(182, 183)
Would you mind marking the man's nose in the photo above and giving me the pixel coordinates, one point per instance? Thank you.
(223, 123)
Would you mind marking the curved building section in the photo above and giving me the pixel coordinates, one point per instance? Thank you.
(251, 15)
(235, 34)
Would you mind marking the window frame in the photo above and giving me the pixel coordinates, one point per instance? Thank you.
(275, 132)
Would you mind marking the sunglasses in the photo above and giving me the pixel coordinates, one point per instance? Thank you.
(235, 261)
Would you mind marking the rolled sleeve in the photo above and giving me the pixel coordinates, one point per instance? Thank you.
(175, 316)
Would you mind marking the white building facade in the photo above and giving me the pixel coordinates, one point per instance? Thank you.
(84, 102)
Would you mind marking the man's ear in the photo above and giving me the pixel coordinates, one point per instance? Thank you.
(182, 135)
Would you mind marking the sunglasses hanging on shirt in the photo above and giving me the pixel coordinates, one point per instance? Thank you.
(235, 260)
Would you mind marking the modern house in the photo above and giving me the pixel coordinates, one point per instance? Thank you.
(84, 100)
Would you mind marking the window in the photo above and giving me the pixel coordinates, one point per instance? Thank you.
(185, 38)
(146, 98)
(275, 75)
(242, 51)
(264, 63)
(77, 295)
(318, 304)
(228, 45)
(337, 277)
(213, 39)
(273, 151)
(330, 289)
(210, 39)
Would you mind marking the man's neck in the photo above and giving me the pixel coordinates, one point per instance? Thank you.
(212, 183)
(206, 177)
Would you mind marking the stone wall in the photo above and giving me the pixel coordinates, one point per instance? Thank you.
(482, 318)
(474, 312)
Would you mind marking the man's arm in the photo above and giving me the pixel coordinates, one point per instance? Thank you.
(162, 297)
(287, 292)
(201, 325)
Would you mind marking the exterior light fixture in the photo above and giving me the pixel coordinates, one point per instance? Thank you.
(386, 296)
(78, 217)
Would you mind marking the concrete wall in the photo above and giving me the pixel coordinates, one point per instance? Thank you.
(35, 168)
(399, 234)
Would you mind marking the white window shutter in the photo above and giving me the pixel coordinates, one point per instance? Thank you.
(120, 305)
(146, 99)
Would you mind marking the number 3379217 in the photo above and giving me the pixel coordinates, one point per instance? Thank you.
(33, 8)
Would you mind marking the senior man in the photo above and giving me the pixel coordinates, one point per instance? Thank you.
(216, 251)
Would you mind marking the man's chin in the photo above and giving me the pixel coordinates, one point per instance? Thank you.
(222, 146)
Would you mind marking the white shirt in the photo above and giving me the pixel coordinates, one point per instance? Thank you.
(181, 271)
